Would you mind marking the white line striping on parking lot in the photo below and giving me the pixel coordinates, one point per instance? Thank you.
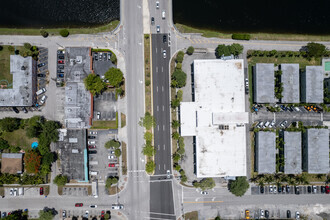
(159, 167)
(158, 147)
(157, 88)
(164, 166)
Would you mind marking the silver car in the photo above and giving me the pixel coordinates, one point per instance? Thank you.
(164, 54)
(158, 28)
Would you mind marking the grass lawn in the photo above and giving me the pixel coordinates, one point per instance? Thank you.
(123, 120)
(46, 190)
(55, 31)
(147, 72)
(18, 138)
(191, 215)
(60, 190)
(106, 124)
(260, 36)
(112, 190)
(124, 157)
(2, 191)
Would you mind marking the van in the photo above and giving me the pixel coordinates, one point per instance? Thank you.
(163, 14)
(94, 173)
(98, 115)
(39, 92)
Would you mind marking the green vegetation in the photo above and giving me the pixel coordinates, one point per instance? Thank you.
(147, 72)
(5, 53)
(112, 143)
(190, 50)
(111, 181)
(204, 184)
(241, 36)
(45, 215)
(175, 124)
(105, 124)
(278, 84)
(94, 84)
(239, 186)
(124, 158)
(148, 149)
(60, 180)
(148, 136)
(179, 57)
(10, 124)
(32, 161)
(315, 50)
(115, 77)
(178, 78)
(148, 121)
(44, 33)
(64, 32)
(191, 215)
(150, 167)
(117, 152)
(227, 50)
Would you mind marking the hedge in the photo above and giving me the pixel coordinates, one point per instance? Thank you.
(240, 36)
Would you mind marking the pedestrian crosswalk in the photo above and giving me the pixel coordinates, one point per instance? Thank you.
(199, 40)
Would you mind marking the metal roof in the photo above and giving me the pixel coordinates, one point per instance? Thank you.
(266, 152)
(264, 83)
(292, 152)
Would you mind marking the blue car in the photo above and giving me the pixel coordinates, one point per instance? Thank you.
(61, 75)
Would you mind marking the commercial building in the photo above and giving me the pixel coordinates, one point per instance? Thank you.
(264, 83)
(265, 152)
(24, 85)
(292, 152)
(12, 163)
(312, 84)
(217, 118)
(73, 153)
(290, 80)
(78, 101)
(316, 151)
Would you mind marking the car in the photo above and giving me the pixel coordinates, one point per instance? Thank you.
(271, 189)
(297, 109)
(93, 132)
(275, 189)
(272, 124)
(25, 110)
(322, 189)
(41, 191)
(168, 173)
(152, 20)
(164, 54)
(288, 213)
(262, 213)
(266, 124)
(15, 110)
(105, 56)
(297, 190)
(112, 165)
(41, 64)
(247, 214)
(102, 213)
(60, 71)
(287, 188)
(100, 55)
(246, 82)
(158, 28)
(91, 142)
(60, 66)
(15, 192)
(61, 61)
(43, 99)
(111, 157)
(91, 137)
(11, 192)
(109, 56)
(60, 75)
(279, 188)
(61, 57)
(60, 52)
(204, 192)
(98, 115)
(96, 56)
(40, 91)
(283, 124)
(86, 214)
(157, 4)
(93, 206)
(262, 189)
(78, 205)
(117, 206)
(91, 146)
(163, 15)
(283, 107)
(261, 124)
(64, 214)
(266, 214)
(327, 190)
(309, 189)
(283, 189)
(164, 39)
(41, 75)
(314, 189)
(112, 152)
(4, 214)
(92, 152)
(297, 215)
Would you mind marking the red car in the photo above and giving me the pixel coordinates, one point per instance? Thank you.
(327, 190)
(102, 213)
(91, 146)
(61, 61)
(41, 191)
(111, 165)
(78, 205)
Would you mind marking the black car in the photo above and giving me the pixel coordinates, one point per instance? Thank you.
(15, 110)
(60, 66)
(96, 56)
(309, 189)
(262, 189)
(41, 64)
(61, 57)
(91, 137)
(152, 20)
(41, 75)
(92, 152)
(288, 214)
(266, 213)
(25, 110)
(287, 188)
(322, 189)
(164, 39)
(297, 190)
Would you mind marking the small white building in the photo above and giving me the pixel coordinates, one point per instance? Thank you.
(217, 118)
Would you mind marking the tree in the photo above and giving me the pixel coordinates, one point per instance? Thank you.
(94, 84)
(175, 135)
(184, 178)
(110, 181)
(10, 124)
(60, 180)
(11, 48)
(180, 77)
(150, 166)
(236, 49)
(176, 157)
(45, 215)
(34, 126)
(239, 186)
(117, 152)
(147, 121)
(217, 218)
(27, 46)
(222, 50)
(181, 142)
(190, 50)
(3, 144)
(115, 76)
(44, 33)
(175, 103)
(204, 184)
(112, 144)
(48, 159)
(181, 151)
(148, 136)
(64, 33)
(32, 161)
(179, 57)
(177, 167)
(315, 49)
(148, 150)
(178, 66)
(1, 48)
(179, 95)
(175, 124)
(113, 58)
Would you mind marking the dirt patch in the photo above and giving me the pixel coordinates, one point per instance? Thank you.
(124, 157)
(123, 119)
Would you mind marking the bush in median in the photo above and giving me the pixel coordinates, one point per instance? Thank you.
(64, 32)
(240, 36)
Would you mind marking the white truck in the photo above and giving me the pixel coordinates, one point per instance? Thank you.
(95, 189)
(39, 92)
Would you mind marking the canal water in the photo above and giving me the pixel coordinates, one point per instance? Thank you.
(272, 16)
(57, 13)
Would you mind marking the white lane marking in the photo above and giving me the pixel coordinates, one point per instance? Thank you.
(159, 167)
(163, 127)
(164, 166)
(163, 108)
(158, 127)
(157, 88)
(156, 50)
(157, 69)
(162, 88)
(162, 69)
(213, 199)
(164, 146)
(158, 147)
(157, 108)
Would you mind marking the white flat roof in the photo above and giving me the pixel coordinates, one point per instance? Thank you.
(217, 118)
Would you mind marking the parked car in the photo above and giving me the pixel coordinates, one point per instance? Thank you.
(152, 20)
(61, 57)
(96, 56)
(91, 146)
(102, 213)
(91, 137)
(157, 4)
(309, 189)
(287, 188)
(41, 75)
(4, 214)
(314, 189)
(60, 71)
(92, 152)
(109, 56)
(322, 189)
(61, 75)
(271, 189)
(64, 214)
(112, 165)
(61, 61)
(60, 52)
(283, 189)
(262, 213)
(43, 99)
(164, 39)
(261, 124)
(262, 189)
(272, 124)
(25, 110)
(11, 192)
(117, 206)
(41, 64)
(41, 191)
(15, 110)
(204, 192)
(266, 214)
(247, 214)
(78, 205)
(297, 215)
(279, 188)
(93, 132)
(288, 213)
(93, 206)
(91, 142)
(283, 124)
(111, 157)
(297, 190)
(60, 66)
(327, 190)
(275, 189)
(266, 124)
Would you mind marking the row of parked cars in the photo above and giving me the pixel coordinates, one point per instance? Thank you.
(265, 214)
(287, 189)
(271, 124)
(102, 56)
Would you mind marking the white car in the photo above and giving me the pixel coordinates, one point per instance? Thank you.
(262, 213)
(111, 157)
(91, 142)
(93, 132)
(157, 4)
(297, 215)
(272, 124)
(314, 189)
(43, 99)
(204, 192)
(11, 192)
(275, 189)
(117, 206)
(163, 15)
(158, 28)
(164, 54)
(283, 124)
(168, 172)
(246, 82)
(260, 124)
(271, 189)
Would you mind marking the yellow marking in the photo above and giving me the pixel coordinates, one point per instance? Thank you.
(205, 202)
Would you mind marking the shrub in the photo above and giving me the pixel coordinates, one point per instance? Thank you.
(241, 36)
(115, 76)
(176, 157)
(148, 150)
(181, 150)
(27, 46)
(175, 124)
(11, 48)
(315, 49)
(179, 57)
(148, 121)
(150, 167)
(190, 50)
(177, 167)
(64, 32)
(148, 82)
(148, 136)
(113, 58)
(179, 77)
(184, 178)
(175, 135)
(207, 183)
(60, 180)
(239, 186)
(117, 152)
(179, 66)
(112, 143)
(110, 181)
(44, 33)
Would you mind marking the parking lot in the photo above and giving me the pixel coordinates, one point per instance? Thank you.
(269, 189)
(90, 213)
(105, 106)
(102, 62)
(75, 191)
(23, 192)
(103, 163)
(60, 71)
